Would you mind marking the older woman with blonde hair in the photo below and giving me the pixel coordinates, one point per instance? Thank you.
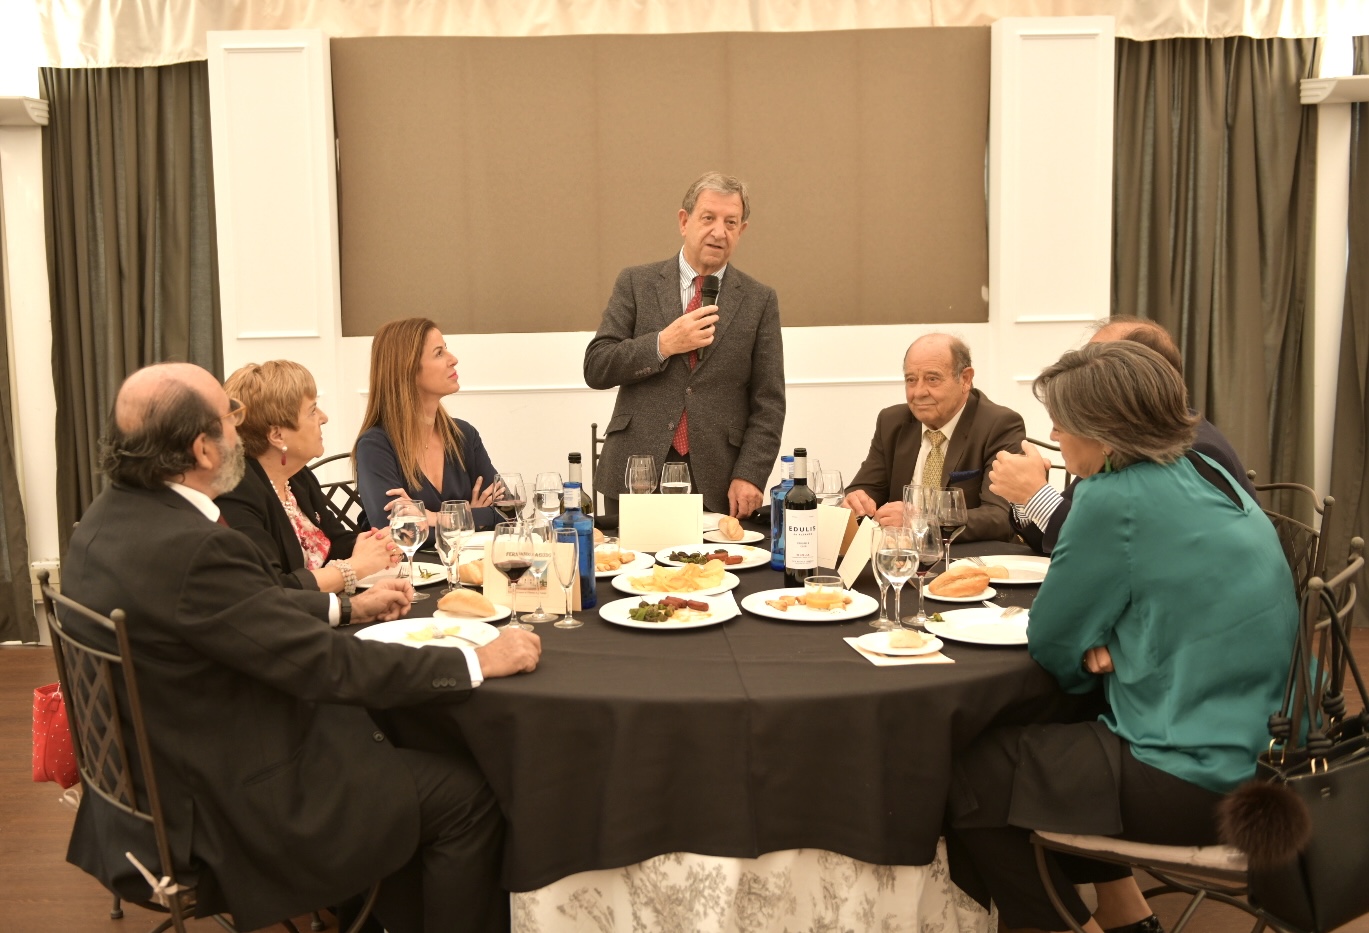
(409, 446)
(279, 503)
(1168, 590)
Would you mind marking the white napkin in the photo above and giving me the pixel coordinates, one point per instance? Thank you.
(884, 660)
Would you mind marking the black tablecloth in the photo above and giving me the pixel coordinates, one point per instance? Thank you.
(752, 736)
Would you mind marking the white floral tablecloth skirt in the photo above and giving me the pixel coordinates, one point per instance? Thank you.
(796, 891)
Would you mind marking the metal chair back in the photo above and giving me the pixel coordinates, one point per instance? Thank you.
(1304, 546)
(1051, 446)
(343, 498)
(93, 681)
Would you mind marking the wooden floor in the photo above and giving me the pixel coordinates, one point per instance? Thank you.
(41, 893)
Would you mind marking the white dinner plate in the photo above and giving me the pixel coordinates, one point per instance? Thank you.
(989, 593)
(638, 565)
(748, 537)
(401, 631)
(1023, 569)
(720, 609)
(730, 582)
(981, 626)
(425, 574)
(860, 605)
(878, 642)
(751, 556)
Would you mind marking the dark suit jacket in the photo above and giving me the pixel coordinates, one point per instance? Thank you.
(1209, 441)
(276, 784)
(735, 396)
(984, 429)
(254, 509)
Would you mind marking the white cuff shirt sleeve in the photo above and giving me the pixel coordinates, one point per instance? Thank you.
(473, 663)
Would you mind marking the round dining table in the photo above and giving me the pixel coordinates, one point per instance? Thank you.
(747, 737)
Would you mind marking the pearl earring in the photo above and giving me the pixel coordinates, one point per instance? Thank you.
(283, 448)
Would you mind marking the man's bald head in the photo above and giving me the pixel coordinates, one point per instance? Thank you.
(159, 414)
(1145, 332)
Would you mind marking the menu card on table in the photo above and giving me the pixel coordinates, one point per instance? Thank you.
(650, 523)
(836, 525)
(858, 553)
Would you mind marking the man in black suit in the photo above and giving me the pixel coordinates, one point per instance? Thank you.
(280, 793)
(1038, 510)
(943, 437)
(697, 382)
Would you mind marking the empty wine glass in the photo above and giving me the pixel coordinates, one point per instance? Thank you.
(919, 506)
(539, 538)
(897, 560)
(830, 489)
(510, 495)
(951, 515)
(640, 476)
(675, 478)
(927, 540)
(546, 495)
(455, 525)
(409, 527)
(565, 558)
(511, 555)
(883, 623)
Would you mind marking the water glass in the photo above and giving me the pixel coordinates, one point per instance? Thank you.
(919, 506)
(458, 530)
(565, 559)
(883, 623)
(897, 561)
(547, 495)
(675, 478)
(828, 487)
(409, 528)
(539, 534)
(640, 476)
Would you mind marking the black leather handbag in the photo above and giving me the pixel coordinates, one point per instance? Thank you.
(1319, 755)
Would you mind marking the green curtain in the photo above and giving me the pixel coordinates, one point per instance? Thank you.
(1349, 453)
(17, 622)
(1214, 185)
(131, 245)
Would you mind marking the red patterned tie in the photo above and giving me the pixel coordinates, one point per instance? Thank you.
(681, 439)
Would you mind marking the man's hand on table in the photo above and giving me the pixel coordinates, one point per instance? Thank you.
(859, 502)
(743, 498)
(383, 602)
(1018, 477)
(513, 652)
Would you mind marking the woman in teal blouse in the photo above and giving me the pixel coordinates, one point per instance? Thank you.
(1169, 590)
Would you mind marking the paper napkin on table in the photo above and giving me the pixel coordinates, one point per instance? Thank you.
(884, 660)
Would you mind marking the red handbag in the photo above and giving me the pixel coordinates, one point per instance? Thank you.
(53, 757)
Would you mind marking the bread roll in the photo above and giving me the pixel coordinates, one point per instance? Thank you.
(905, 638)
(466, 603)
(730, 528)
(960, 581)
(473, 573)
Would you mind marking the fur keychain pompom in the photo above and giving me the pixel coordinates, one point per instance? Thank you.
(1266, 821)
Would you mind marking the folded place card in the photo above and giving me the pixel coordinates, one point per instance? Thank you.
(833, 521)
(524, 598)
(858, 553)
(652, 522)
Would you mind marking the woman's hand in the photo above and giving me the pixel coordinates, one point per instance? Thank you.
(482, 499)
(374, 550)
(1098, 660)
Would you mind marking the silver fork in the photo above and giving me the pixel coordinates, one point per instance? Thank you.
(1005, 612)
(977, 560)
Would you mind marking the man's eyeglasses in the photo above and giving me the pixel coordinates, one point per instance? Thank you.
(236, 412)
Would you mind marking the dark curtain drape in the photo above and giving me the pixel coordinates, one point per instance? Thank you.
(131, 249)
(1349, 450)
(17, 622)
(1214, 186)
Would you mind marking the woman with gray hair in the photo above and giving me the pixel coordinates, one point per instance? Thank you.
(1168, 590)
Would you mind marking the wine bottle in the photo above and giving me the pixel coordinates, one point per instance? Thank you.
(777, 494)
(800, 525)
(574, 517)
(574, 476)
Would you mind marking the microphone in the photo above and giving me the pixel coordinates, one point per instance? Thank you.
(708, 295)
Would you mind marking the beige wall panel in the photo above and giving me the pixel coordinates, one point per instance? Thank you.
(498, 185)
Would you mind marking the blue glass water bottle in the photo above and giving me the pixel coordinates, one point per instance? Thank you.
(574, 517)
(777, 494)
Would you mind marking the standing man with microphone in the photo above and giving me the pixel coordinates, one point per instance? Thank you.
(694, 347)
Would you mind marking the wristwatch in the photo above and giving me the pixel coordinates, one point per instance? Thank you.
(345, 609)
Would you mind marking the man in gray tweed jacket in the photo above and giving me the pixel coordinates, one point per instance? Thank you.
(718, 368)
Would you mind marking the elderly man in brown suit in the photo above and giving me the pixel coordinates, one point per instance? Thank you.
(945, 436)
(697, 381)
